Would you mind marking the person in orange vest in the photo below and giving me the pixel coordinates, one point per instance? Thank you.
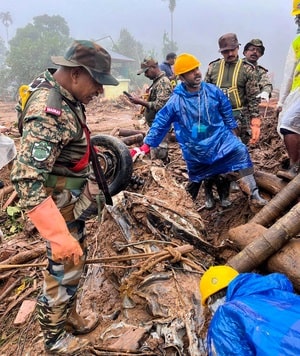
(288, 106)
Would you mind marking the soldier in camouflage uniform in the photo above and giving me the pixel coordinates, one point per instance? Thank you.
(158, 94)
(253, 50)
(52, 176)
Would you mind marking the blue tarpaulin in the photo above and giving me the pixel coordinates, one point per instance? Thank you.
(261, 316)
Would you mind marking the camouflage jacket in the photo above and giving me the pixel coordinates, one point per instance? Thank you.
(50, 144)
(264, 80)
(243, 94)
(159, 93)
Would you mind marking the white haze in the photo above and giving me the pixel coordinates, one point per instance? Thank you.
(197, 24)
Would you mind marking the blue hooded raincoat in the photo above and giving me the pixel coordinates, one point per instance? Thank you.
(261, 316)
(202, 122)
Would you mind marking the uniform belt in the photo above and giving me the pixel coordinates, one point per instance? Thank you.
(61, 182)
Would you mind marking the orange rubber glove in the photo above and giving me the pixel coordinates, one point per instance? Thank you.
(49, 222)
(255, 130)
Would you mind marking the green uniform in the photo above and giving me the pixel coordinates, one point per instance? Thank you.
(239, 82)
(159, 93)
(263, 79)
(52, 145)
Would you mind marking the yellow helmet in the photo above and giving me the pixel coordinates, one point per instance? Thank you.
(296, 8)
(215, 279)
(184, 63)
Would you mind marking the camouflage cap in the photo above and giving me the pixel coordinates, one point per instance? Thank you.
(257, 43)
(228, 41)
(146, 64)
(94, 58)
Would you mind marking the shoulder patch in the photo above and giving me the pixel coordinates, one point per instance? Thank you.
(216, 60)
(263, 68)
(41, 151)
(248, 63)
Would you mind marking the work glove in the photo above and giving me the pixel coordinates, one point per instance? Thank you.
(90, 202)
(139, 151)
(264, 96)
(49, 222)
(255, 130)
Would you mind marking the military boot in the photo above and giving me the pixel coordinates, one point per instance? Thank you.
(209, 196)
(223, 188)
(248, 186)
(56, 339)
(290, 173)
(193, 189)
(78, 325)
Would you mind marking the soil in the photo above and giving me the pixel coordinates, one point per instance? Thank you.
(146, 306)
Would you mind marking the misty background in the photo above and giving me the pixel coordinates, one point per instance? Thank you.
(194, 25)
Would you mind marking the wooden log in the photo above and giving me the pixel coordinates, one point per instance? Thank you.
(269, 182)
(131, 140)
(10, 200)
(130, 132)
(23, 257)
(268, 243)
(277, 206)
(6, 190)
(286, 260)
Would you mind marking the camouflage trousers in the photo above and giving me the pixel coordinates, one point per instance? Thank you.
(59, 289)
(244, 126)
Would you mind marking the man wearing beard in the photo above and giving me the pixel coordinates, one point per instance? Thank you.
(204, 126)
(239, 82)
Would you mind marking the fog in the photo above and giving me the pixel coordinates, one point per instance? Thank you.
(197, 24)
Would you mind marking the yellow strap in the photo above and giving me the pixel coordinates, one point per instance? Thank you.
(24, 93)
(220, 74)
(233, 89)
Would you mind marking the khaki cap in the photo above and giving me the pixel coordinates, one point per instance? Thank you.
(228, 41)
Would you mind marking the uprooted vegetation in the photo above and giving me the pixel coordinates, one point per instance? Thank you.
(145, 258)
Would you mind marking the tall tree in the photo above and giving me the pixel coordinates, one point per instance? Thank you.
(131, 48)
(172, 6)
(32, 47)
(168, 46)
(7, 21)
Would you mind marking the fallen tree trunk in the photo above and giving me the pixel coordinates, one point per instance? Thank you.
(129, 132)
(286, 260)
(133, 139)
(268, 243)
(269, 182)
(277, 206)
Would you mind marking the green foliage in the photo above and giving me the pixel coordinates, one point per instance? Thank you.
(14, 213)
(32, 47)
(168, 45)
(3, 51)
(131, 48)
(6, 19)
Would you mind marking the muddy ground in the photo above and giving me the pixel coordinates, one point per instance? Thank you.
(146, 306)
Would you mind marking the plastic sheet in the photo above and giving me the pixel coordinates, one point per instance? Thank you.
(261, 316)
(7, 150)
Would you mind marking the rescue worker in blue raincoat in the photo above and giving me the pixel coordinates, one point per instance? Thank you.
(203, 124)
(252, 314)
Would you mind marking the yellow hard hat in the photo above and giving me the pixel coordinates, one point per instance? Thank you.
(296, 8)
(184, 63)
(215, 279)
